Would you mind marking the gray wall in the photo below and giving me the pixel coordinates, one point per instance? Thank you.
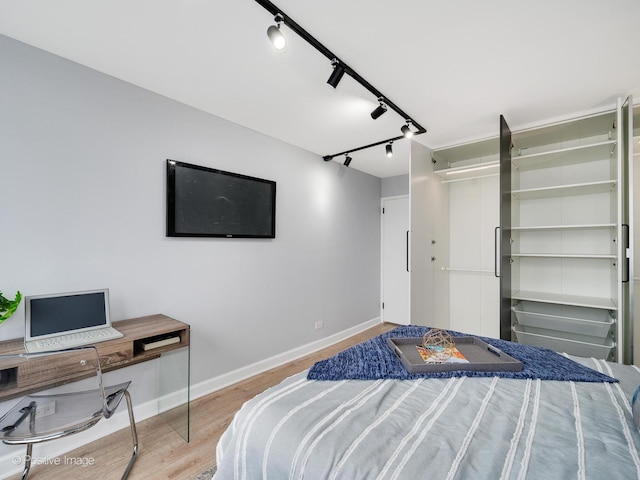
(82, 202)
(398, 185)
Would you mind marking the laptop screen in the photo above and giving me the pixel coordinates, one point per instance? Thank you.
(66, 312)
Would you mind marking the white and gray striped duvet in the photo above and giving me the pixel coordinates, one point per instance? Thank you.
(462, 428)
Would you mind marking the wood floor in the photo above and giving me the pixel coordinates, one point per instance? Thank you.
(163, 453)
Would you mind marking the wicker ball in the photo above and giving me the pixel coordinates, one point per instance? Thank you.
(440, 342)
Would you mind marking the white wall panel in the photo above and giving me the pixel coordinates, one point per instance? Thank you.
(475, 296)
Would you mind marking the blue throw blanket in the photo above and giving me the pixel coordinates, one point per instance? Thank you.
(373, 360)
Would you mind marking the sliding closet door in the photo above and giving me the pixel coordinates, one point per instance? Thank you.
(625, 212)
(503, 253)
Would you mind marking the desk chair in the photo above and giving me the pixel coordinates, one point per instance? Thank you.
(54, 407)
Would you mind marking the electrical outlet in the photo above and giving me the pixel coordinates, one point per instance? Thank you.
(45, 409)
(319, 325)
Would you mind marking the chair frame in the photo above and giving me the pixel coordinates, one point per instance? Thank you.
(107, 410)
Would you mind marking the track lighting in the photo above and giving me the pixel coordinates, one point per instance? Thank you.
(347, 160)
(406, 131)
(380, 109)
(336, 75)
(275, 35)
(339, 69)
(389, 149)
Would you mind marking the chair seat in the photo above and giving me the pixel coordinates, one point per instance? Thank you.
(66, 406)
(57, 415)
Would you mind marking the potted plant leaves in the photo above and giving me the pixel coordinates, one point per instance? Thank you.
(8, 307)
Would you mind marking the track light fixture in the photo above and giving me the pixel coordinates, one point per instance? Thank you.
(389, 149)
(347, 160)
(406, 131)
(336, 75)
(339, 69)
(275, 35)
(380, 109)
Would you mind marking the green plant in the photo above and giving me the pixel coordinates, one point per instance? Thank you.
(8, 307)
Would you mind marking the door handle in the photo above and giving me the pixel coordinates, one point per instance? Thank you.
(625, 262)
(407, 250)
(495, 252)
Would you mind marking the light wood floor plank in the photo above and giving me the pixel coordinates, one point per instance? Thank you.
(163, 453)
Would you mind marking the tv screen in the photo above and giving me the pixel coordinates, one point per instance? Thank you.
(205, 202)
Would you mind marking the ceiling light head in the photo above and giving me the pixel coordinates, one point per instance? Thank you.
(275, 35)
(336, 75)
(380, 109)
(347, 160)
(389, 149)
(326, 158)
(406, 131)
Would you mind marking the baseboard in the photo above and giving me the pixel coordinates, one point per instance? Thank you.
(55, 451)
(214, 384)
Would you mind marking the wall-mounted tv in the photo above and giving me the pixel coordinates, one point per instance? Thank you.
(206, 202)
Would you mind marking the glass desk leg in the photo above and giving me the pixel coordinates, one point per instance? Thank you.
(173, 390)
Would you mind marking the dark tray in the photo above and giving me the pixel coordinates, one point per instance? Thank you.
(482, 356)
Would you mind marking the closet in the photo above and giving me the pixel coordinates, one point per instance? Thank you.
(570, 236)
(540, 234)
(470, 180)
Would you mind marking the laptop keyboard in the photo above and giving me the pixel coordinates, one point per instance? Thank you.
(77, 339)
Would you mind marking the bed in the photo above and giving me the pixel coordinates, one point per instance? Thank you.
(470, 426)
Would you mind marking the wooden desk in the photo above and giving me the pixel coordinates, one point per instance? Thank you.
(114, 354)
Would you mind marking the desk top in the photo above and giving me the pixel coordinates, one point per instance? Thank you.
(133, 329)
(117, 353)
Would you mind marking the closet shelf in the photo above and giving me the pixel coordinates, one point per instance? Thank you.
(565, 156)
(566, 227)
(466, 172)
(563, 299)
(565, 255)
(565, 190)
(466, 270)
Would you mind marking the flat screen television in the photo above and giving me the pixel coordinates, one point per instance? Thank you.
(206, 202)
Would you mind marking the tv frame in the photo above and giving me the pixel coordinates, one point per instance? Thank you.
(171, 204)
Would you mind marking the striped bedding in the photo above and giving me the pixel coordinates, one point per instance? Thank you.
(437, 428)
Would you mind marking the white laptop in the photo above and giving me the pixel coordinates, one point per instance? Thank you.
(64, 320)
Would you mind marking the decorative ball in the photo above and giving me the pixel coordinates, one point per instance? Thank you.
(440, 342)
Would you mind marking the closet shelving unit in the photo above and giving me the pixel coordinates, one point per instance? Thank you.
(565, 236)
(561, 244)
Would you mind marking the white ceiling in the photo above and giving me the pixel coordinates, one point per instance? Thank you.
(454, 65)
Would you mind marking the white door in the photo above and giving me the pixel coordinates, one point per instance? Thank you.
(396, 299)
